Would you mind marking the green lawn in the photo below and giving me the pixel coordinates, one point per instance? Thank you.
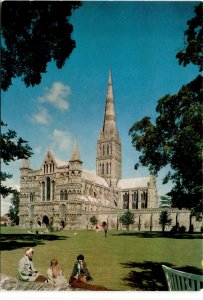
(122, 261)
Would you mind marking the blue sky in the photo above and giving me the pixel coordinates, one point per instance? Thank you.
(139, 42)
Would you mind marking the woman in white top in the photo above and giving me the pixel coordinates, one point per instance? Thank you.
(56, 274)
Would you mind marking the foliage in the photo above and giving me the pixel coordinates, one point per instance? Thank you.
(165, 202)
(182, 229)
(93, 220)
(164, 219)
(50, 225)
(14, 208)
(175, 139)
(33, 34)
(127, 219)
(194, 40)
(12, 148)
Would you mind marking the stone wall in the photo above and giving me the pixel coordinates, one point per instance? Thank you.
(148, 220)
(145, 220)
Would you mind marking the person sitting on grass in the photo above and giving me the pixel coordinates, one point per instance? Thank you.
(26, 269)
(56, 274)
(80, 269)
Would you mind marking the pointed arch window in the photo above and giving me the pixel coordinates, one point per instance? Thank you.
(48, 189)
(61, 195)
(103, 150)
(126, 201)
(135, 200)
(102, 168)
(107, 168)
(146, 198)
(32, 197)
(43, 191)
(65, 195)
(107, 149)
(53, 189)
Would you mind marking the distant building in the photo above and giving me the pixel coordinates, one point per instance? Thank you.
(63, 193)
(5, 220)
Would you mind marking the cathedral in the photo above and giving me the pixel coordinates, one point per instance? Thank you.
(65, 195)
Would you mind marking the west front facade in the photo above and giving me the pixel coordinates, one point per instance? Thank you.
(64, 194)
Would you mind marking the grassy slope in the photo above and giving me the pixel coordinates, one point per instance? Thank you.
(136, 257)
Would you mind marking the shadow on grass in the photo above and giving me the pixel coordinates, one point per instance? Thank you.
(14, 241)
(158, 234)
(149, 276)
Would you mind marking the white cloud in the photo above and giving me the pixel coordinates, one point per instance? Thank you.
(41, 117)
(57, 95)
(61, 139)
(37, 150)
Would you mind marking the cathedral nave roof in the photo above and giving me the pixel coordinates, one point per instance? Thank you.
(91, 176)
(133, 183)
(94, 200)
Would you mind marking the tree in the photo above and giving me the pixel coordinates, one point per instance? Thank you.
(164, 219)
(93, 220)
(127, 219)
(14, 208)
(194, 37)
(176, 140)
(12, 148)
(33, 34)
(165, 202)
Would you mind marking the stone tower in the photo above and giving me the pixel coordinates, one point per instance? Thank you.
(25, 167)
(109, 144)
(75, 173)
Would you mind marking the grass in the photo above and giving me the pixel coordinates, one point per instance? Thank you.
(122, 261)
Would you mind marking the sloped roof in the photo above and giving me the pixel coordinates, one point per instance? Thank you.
(89, 198)
(131, 183)
(60, 162)
(91, 176)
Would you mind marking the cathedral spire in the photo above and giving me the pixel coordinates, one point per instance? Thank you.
(76, 153)
(109, 125)
(110, 78)
(109, 143)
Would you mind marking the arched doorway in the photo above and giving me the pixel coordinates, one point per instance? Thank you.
(62, 224)
(45, 220)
